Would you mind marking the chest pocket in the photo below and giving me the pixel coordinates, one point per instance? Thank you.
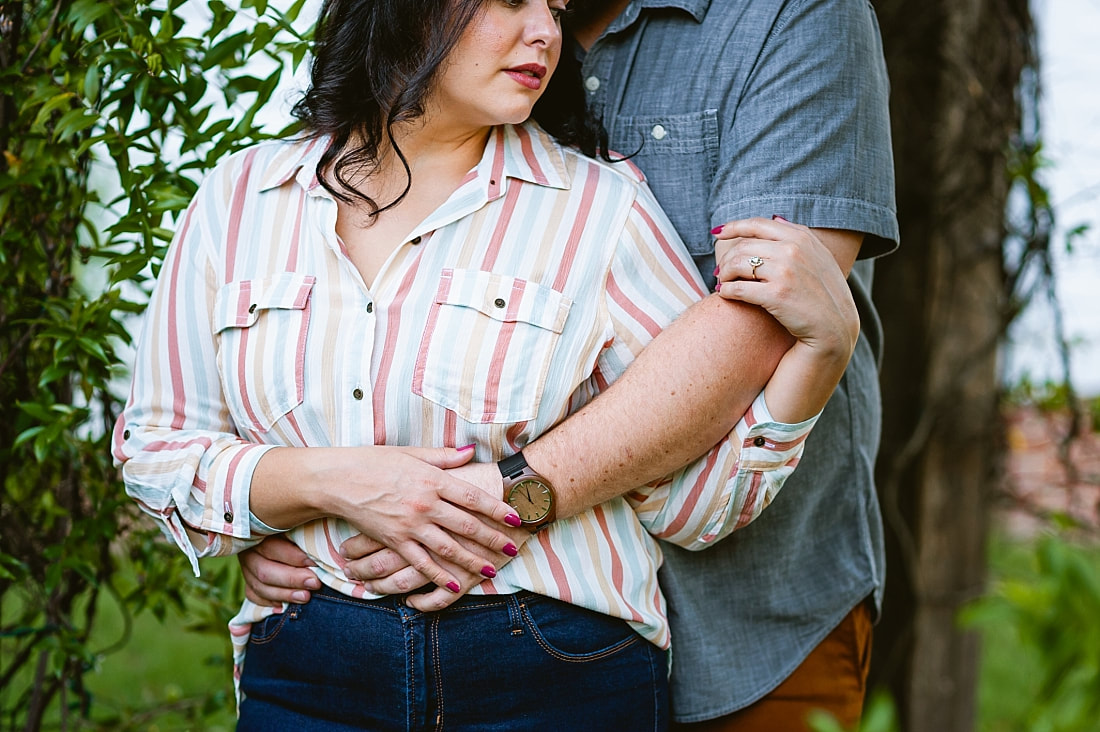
(260, 327)
(487, 347)
(679, 155)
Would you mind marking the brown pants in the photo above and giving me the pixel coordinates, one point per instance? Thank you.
(833, 677)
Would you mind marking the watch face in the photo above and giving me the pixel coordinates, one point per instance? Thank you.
(531, 499)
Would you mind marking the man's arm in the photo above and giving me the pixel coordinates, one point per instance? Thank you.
(656, 418)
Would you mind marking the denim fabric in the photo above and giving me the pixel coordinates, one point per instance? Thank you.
(505, 662)
(740, 108)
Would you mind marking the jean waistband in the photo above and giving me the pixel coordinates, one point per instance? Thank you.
(465, 602)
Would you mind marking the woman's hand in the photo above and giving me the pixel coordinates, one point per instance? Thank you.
(385, 572)
(785, 269)
(401, 497)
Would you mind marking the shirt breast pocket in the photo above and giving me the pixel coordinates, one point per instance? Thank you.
(260, 328)
(681, 152)
(486, 351)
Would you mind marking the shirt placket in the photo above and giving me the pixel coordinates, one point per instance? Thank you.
(353, 422)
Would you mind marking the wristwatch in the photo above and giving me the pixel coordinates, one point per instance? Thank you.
(528, 492)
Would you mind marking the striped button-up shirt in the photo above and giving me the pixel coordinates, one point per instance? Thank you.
(520, 299)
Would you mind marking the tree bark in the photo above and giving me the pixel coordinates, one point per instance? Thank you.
(955, 69)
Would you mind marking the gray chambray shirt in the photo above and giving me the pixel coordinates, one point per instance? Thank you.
(741, 108)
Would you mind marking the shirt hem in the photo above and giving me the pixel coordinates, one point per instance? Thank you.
(738, 705)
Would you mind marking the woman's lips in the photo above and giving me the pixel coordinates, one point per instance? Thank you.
(528, 75)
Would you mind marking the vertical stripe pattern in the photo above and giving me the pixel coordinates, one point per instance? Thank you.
(520, 299)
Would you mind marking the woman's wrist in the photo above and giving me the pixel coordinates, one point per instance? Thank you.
(284, 487)
(804, 380)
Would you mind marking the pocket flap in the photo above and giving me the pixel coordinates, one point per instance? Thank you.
(503, 298)
(239, 303)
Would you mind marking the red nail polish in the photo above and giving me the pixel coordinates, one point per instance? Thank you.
(513, 520)
(488, 571)
(716, 271)
(467, 447)
(453, 586)
(717, 229)
(718, 287)
(779, 218)
(510, 549)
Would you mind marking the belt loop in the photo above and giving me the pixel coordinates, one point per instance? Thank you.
(515, 614)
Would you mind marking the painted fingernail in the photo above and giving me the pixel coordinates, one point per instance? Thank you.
(453, 586)
(467, 447)
(488, 571)
(299, 596)
(717, 229)
(780, 218)
(716, 271)
(513, 519)
(510, 549)
(718, 287)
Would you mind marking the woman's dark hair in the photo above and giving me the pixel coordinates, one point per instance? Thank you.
(374, 64)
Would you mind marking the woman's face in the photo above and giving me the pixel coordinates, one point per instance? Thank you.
(501, 64)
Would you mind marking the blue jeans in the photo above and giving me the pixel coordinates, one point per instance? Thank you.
(496, 662)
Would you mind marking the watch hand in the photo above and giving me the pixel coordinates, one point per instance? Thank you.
(527, 491)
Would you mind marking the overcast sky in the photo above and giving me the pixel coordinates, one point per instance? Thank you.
(1069, 35)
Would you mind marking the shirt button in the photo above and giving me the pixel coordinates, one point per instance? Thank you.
(759, 442)
(592, 83)
(370, 307)
(415, 240)
(499, 302)
(658, 132)
(358, 393)
(228, 517)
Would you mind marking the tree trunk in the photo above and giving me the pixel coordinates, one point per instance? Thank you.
(955, 68)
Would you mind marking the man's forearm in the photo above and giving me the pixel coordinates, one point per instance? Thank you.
(684, 393)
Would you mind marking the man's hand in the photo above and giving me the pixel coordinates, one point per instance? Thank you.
(276, 572)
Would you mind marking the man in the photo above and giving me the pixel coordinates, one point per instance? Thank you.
(740, 109)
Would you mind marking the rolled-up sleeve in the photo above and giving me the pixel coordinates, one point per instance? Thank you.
(182, 458)
(728, 487)
(651, 281)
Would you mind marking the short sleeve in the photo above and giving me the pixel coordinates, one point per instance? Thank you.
(810, 136)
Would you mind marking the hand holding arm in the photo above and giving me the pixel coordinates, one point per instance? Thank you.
(398, 496)
(652, 421)
(787, 270)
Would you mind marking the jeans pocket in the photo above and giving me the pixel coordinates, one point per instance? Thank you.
(571, 633)
(261, 327)
(267, 630)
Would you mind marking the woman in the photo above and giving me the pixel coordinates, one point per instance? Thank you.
(426, 270)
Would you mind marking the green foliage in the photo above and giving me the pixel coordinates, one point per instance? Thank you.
(1054, 610)
(110, 111)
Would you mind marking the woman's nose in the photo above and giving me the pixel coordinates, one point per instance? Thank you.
(542, 25)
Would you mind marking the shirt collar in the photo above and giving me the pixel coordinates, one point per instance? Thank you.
(525, 152)
(696, 8)
(298, 162)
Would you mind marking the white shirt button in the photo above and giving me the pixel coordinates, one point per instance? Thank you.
(658, 132)
(592, 83)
